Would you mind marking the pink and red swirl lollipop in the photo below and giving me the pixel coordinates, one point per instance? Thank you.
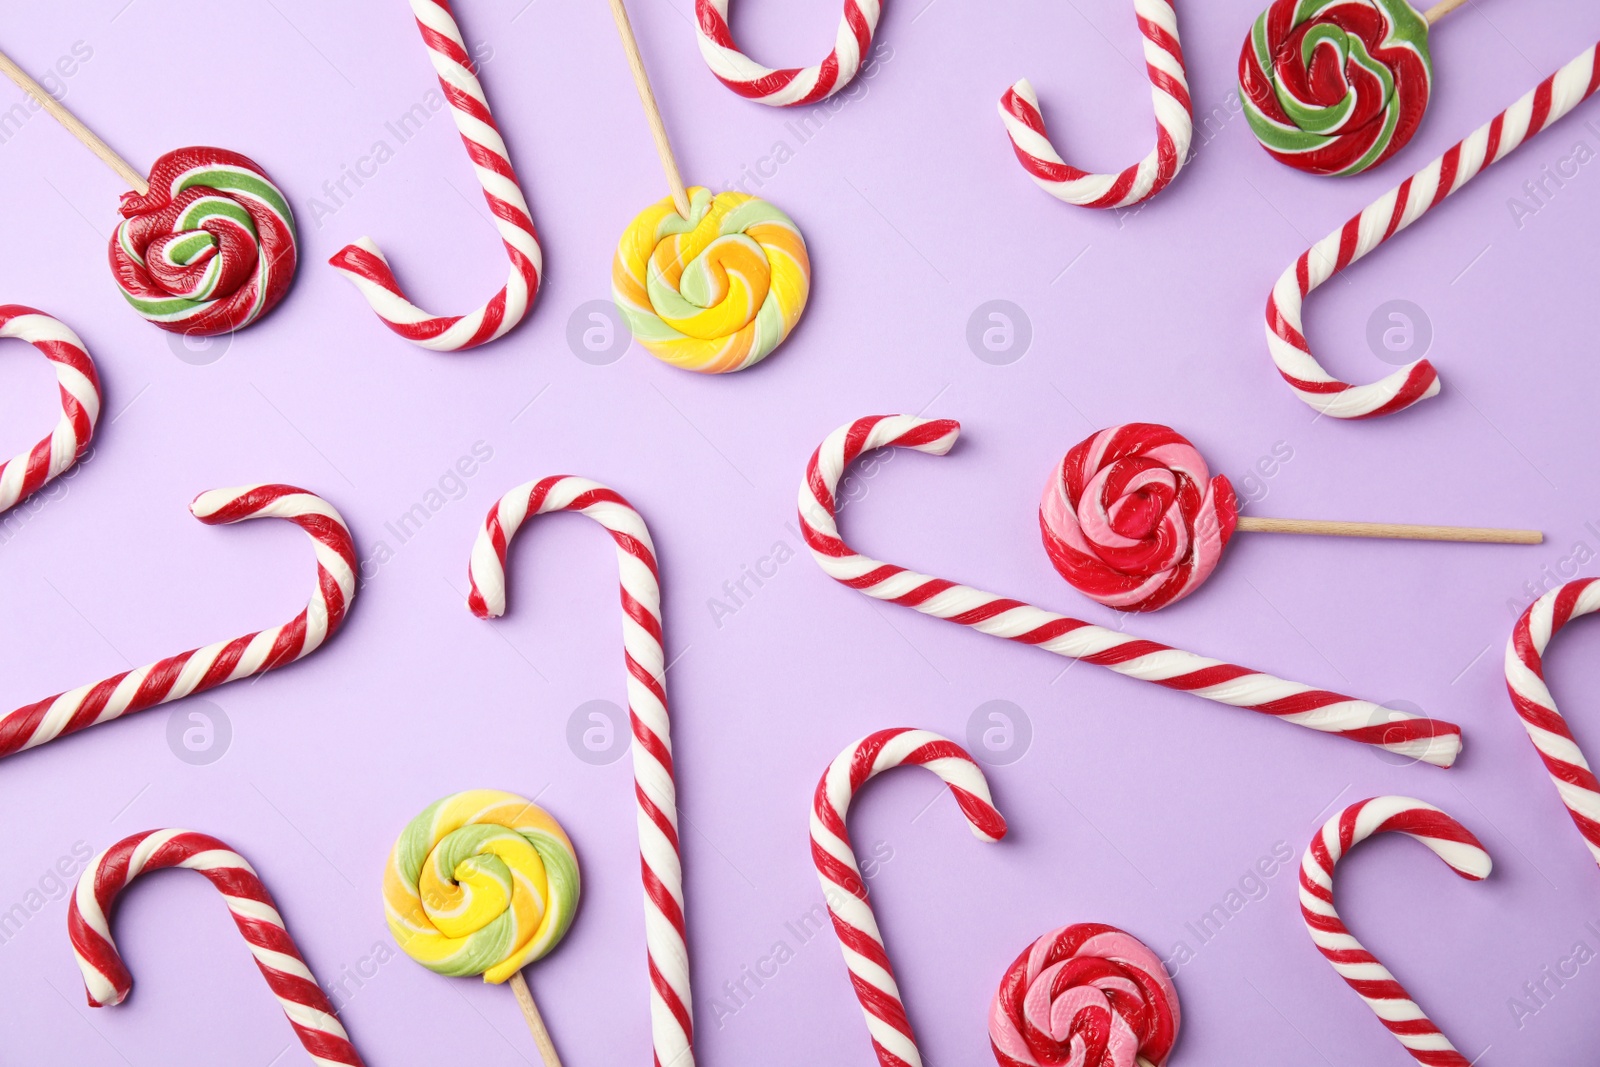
(207, 244)
(1133, 519)
(1337, 86)
(1085, 994)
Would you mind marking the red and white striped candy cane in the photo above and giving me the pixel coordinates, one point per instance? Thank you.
(1169, 89)
(791, 85)
(226, 661)
(1430, 740)
(106, 976)
(1388, 1000)
(846, 891)
(1570, 772)
(1399, 208)
(366, 266)
(26, 474)
(671, 1011)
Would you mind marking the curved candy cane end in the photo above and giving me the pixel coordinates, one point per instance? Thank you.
(1023, 92)
(1439, 749)
(481, 609)
(949, 431)
(210, 505)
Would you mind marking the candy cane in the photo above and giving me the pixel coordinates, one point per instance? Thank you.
(107, 979)
(27, 473)
(846, 892)
(1429, 740)
(1570, 772)
(1400, 207)
(204, 668)
(1388, 1000)
(791, 85)
(1169, 89)
(671, 1013)
(366, 266)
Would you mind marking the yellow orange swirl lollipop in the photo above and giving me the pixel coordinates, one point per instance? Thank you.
(716, 291)
(483, 882)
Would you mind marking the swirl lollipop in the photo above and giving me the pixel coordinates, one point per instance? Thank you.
(1133, 519)
(708, 283)
(1337, 86)
(1085, 994)
(207, 243)
(483, 882)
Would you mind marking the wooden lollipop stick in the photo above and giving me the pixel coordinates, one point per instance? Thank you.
(530, 1012)
(74, 125)
(1441, 9)
(652, 113)
(1392, 531)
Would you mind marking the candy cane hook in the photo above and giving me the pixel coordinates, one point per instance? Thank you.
(1419, 738)
(27, 473)
(107, 979)
(671, 1013)
(204, 668)
(1403, 205)
(1389, 1001)
(367, 267)
(1169, 89)
(791, 85)
(843, 886)
(1573, 778)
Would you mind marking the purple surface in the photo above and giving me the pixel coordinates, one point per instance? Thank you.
(1133, 806)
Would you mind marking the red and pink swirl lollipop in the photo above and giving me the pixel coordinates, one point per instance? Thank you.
(1133, 519)
(1085, 994)
(207, 245)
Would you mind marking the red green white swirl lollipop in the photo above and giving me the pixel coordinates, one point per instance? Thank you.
(1338, 86)
(207, 244)
(1133, 519)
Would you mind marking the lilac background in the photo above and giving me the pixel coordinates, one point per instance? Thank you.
(1133, 806)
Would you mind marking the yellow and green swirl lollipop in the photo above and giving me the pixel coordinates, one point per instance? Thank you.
(483, 882)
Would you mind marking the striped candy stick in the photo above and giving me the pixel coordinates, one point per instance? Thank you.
(107, 979)
(1552, 99)
(1451, 842)
(1570, 772)
(1429, 740)
(1169, 89)
(367, 267)
(671, 1010)
(204, 668)
(845, 890)
(27, 473)
(791, 85)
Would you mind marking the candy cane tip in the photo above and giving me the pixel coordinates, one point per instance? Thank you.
(1023, 88)
(951, 431)
(340, 258)
(211, 501)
